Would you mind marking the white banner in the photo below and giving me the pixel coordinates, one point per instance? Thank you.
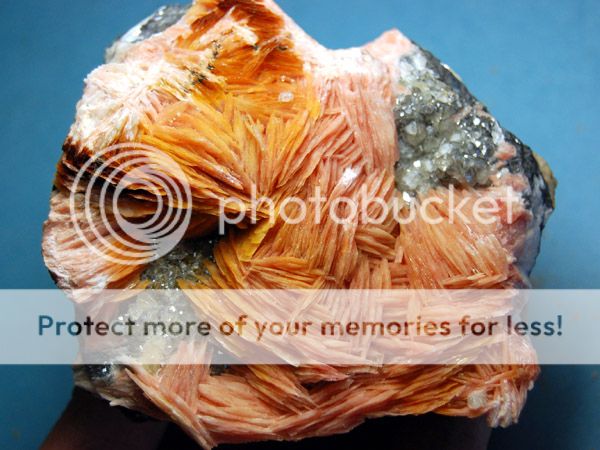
(301, 327)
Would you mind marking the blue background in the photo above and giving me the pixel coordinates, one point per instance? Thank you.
(536, 64)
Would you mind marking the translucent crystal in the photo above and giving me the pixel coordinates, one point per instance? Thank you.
(445, 136)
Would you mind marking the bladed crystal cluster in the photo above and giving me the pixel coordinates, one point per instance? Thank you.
(246, 104)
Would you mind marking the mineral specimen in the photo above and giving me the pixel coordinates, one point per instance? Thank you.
(244, 100)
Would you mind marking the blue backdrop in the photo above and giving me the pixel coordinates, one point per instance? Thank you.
(536, 64)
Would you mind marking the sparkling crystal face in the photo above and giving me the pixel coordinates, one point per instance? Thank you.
(184, 262)
(445, 136)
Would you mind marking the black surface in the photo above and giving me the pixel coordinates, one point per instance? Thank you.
(427, 432)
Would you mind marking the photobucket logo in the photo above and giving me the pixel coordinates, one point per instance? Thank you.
(494, 206)
(107, 216)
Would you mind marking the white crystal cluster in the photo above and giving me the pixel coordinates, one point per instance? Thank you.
(445, 135)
